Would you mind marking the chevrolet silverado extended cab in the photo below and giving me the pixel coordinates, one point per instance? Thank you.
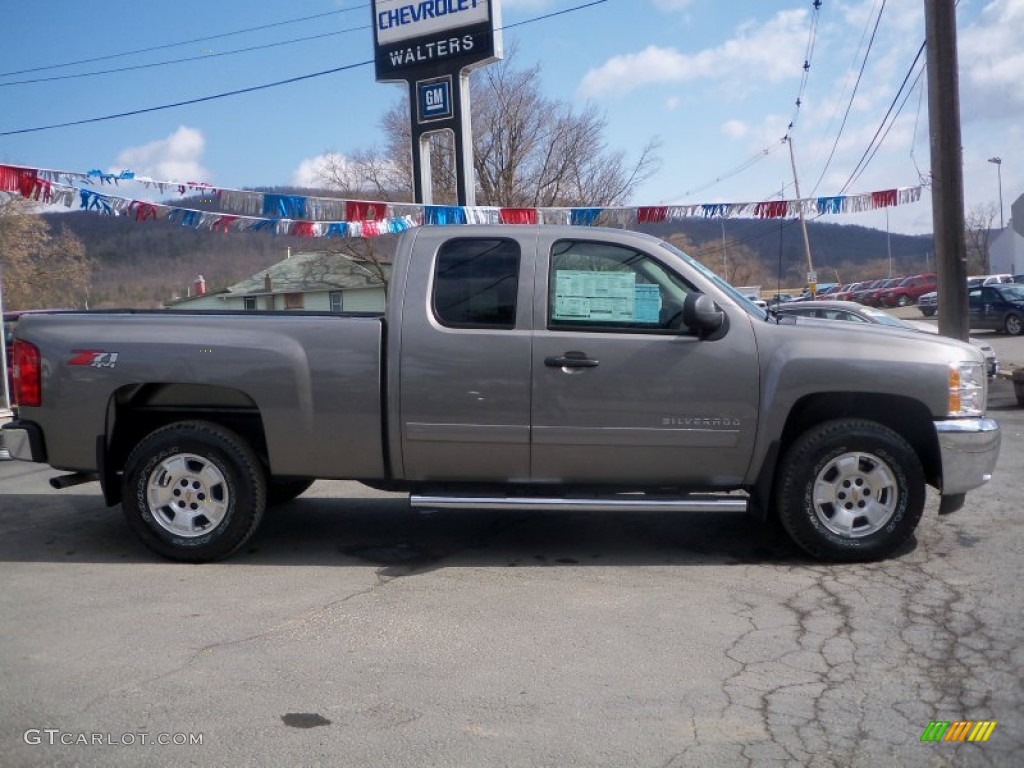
(514, 367)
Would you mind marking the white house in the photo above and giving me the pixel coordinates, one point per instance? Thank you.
(1006, 250)
(316, 281)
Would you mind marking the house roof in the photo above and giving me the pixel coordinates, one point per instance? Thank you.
(312, 271)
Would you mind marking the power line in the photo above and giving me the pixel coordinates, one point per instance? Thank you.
(183, 42)
(873, 147)
(239, 50)
(199, 100)
(812, 36)
(186, 59)
(853, 95)
(252, 89)
(736, 171)
(763, 153)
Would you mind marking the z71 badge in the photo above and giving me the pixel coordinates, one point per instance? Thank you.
(94, 358)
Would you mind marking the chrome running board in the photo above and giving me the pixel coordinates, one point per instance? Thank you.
(618, 503)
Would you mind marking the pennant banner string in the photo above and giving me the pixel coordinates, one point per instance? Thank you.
(309, 216)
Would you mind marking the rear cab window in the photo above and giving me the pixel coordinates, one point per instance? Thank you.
(476, 282)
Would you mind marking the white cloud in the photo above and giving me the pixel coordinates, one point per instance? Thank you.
(336, 171)
(755, 54)
(735, 129)
(312, 170)
(672, 103)
(992, 61)
(175, 158)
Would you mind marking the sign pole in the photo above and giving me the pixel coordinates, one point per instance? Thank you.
(434, 55)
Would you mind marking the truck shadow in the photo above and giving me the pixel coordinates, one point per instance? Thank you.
(385, 534)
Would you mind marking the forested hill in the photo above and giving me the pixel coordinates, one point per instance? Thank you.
(144, 264)
(840, 252)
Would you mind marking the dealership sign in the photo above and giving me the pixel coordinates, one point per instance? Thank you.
(432, 45)
(412, 34)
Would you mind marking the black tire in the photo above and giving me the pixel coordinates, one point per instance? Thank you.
(1013, 324)
(282, 491)
(927, 311)
(193, 491)
(841, 468)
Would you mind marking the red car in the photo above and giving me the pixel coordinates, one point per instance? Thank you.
(871, 298)
(843, 293)
(908, 290)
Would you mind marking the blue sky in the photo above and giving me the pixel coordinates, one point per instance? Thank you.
(715, 81)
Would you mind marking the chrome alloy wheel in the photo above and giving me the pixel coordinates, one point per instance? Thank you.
(855, 494)
(188, 495)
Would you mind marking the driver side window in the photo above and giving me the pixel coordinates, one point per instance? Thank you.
(612, 288)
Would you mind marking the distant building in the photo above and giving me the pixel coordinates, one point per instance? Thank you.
(316, 281)
(1006, 250)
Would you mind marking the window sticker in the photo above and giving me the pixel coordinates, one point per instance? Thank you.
(648, 303)
(595, 296)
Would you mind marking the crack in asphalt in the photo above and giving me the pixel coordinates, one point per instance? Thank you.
(819, 677)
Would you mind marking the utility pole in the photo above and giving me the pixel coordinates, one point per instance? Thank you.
(999, 176)
(947, 166)
(725, 258)
(803, 222)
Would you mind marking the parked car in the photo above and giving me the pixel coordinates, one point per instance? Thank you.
(999, 306)
(1018, 278)
(928, 303)
(864, 287)
(870, 298)
(844, 293)
(851, 311)
(908, 291)
(821, 290)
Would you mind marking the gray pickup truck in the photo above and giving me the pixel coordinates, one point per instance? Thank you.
(515, 367)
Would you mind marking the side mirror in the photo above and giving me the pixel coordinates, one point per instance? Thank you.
(702, 314)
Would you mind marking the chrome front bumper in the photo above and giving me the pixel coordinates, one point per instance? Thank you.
(968, 449)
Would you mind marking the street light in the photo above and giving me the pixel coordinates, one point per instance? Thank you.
(999, 174)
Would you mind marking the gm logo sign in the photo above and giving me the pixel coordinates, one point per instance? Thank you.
(433, 99)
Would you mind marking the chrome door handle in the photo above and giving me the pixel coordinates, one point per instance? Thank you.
(571, 360)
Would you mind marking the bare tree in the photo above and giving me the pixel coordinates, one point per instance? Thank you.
(40, 269)
(529, 151)
(322, 268)
(977, 233)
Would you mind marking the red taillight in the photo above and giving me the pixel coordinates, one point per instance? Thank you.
(27, 385)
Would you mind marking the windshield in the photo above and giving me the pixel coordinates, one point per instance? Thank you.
(721, 284)
(884, 318)
(1012, 292)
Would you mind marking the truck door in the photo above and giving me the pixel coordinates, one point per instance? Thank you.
(622, 391)
(464, 408)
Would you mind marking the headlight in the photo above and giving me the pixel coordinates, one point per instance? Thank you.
(966, 389)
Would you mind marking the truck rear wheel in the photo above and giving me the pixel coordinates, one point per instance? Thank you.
(193, 491)
(850, 489)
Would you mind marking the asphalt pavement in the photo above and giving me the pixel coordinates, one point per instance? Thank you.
(355, 632)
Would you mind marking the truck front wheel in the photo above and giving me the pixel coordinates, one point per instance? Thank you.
(193, 491)
(850, 489)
